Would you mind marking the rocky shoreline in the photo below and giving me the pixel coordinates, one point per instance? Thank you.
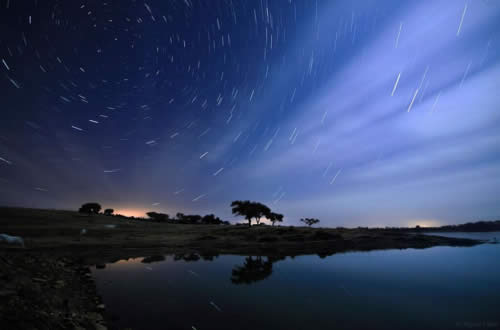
(44, 292)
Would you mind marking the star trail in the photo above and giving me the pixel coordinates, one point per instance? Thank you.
(357, 113)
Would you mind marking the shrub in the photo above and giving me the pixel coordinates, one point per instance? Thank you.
(90, 208)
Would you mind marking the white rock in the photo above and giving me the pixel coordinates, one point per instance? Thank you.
(11, 239)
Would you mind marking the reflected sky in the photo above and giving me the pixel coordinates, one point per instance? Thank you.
(435, 288)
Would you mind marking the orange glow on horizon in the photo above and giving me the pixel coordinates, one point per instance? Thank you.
(424, 223)
(138, 213)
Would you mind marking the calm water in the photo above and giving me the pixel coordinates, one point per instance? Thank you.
(436, 288)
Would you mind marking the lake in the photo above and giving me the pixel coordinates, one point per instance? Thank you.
(435, 288)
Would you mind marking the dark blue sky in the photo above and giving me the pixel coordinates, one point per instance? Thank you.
(358, 113)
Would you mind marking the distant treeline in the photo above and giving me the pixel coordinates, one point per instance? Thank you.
(249, 210)
(95, 208)
(208, 219)
(469, 226)
(479, 226)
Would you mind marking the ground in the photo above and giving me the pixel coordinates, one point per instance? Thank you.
(46, 283)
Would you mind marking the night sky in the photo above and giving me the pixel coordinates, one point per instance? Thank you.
(359, 113)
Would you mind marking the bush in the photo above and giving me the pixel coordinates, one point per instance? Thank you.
(268, 239)
(109, 211)
(323, 235)
(90, 208)
(294, 238)
(158, 217)
(206, 238)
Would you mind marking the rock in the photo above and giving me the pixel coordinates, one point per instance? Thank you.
(6, 293)
(99, 326)
(59, 284)
(93, 316)
(16, 240)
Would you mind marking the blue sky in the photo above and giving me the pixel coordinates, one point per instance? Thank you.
(360, 114)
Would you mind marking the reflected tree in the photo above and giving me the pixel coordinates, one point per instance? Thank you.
(156, 258)
(208, 257)
(195, 256)
(187, 257)
(253, 270)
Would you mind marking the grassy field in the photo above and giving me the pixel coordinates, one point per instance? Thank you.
(110, 237)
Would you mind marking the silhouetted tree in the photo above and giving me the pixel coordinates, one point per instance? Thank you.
(250, 210)
(109, 211)
(211, 219)
(90, 208)
(179, 216)
(158, 217)
(275, 217)
(193, 218)
(310, 221)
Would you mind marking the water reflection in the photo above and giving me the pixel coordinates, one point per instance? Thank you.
(194, 256)
(254, 269)
(152, 259)
(388, 289)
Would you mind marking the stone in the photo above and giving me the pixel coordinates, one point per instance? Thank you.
(94, 316)
(6, 293)
(59, 284)
(99, 326)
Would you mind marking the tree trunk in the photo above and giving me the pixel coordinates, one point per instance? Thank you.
(249, 222)
(258, 220)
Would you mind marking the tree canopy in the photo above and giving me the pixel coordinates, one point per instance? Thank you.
(211, 219)
(90, 208)
(159, 217)
(253, 270)
(275, 217)
(309, 221)
(109, 211)
(250, 210)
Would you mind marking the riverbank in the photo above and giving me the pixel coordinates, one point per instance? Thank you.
(44, 292)
(47, 285)
(99, 238)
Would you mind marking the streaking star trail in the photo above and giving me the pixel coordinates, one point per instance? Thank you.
(357, 113)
